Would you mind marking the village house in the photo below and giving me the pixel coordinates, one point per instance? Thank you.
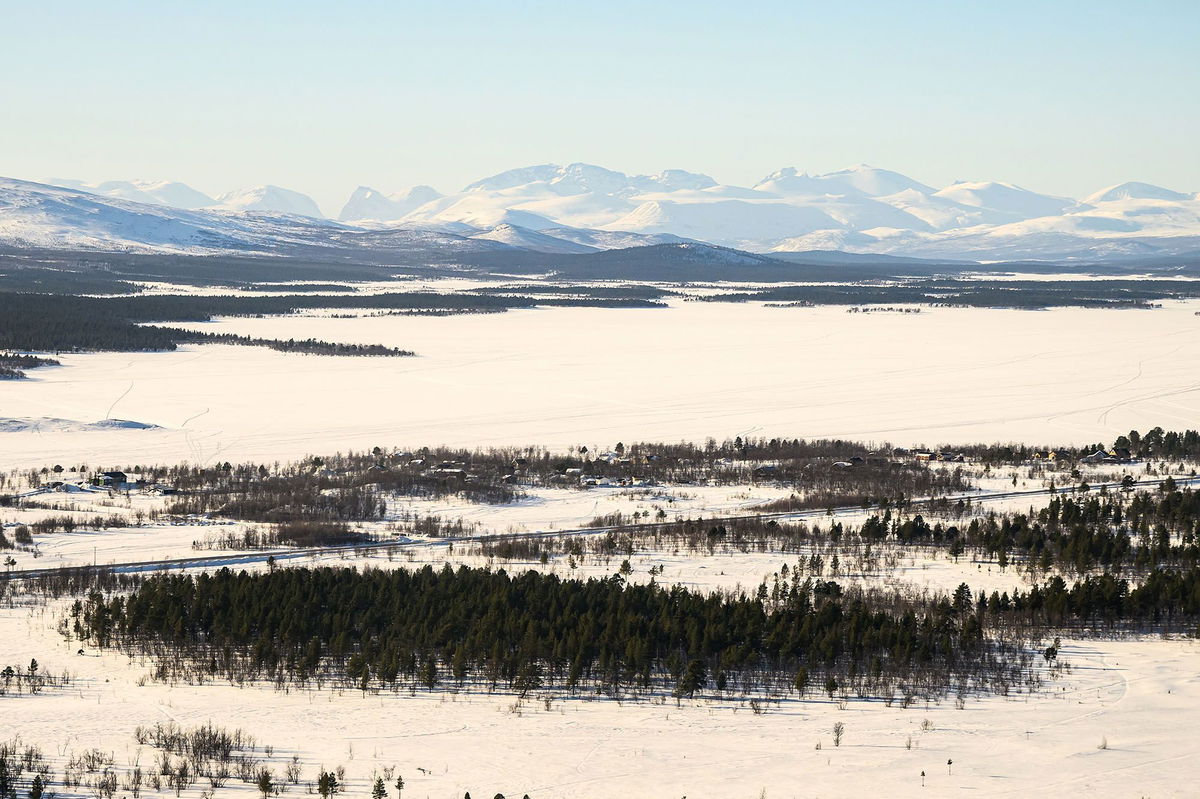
(112, 479)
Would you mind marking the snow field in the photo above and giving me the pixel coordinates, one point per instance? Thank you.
(1138, 694)
(564, 377)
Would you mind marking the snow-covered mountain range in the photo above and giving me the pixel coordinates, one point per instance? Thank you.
(583, 208)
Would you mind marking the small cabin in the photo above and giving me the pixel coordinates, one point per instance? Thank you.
(112, 478)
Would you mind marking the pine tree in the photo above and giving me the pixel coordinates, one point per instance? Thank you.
(379, 791)
(801, 681)
(264, 783)
(327, 784)
(693, 679)
(429, 673)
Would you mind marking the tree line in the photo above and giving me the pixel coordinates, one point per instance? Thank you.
(1075, 534)
(14, 364)
(490, 630)
(966, 292)
(66, 323)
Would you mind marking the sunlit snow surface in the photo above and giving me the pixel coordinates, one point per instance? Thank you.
(588, 376)
(562, 377)
(1141, 696)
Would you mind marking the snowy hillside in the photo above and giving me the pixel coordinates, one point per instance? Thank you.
(38, 215)
(156, 192)
(35, 215)
(1135, 191)
(579, 208)
(534, 240)
(859, 209)
(1005, 198)
(367, 204)
(271, 199)
(861, 179)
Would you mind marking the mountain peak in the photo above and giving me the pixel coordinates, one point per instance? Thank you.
(1135, 190)
(511, 178)
(154, 192)
(272, 199)
(367, 203)
(1006, 198)
(561, 209)
(779, 174)
(861, 179)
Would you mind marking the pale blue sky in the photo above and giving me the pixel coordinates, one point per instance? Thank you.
(1059, 96)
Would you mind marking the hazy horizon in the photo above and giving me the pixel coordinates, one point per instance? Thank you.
(1061, 100)
(332, 204)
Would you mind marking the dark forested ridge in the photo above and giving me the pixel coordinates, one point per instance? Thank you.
(53, 323)
(381, 629)
(1111, 293)
(63, 323)
(391, 629)
(13, 365)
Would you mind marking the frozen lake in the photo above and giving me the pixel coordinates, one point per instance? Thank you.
(569, 376)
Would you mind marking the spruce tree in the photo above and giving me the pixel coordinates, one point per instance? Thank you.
(327, 784)
(264, 783)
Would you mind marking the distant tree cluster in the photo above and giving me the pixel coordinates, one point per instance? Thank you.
(24, 771)
(968, 292)
(32, 679)
(54, 323)
(308, 346)
(1074, 534)
(65, 323)
(1162, 444)
(354, 486)
(426, 628)
(210, 755)
(296, 533)
(13, 364)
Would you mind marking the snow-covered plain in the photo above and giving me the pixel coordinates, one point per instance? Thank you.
(1141, 697)
(564, 377)
(1133, 696)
